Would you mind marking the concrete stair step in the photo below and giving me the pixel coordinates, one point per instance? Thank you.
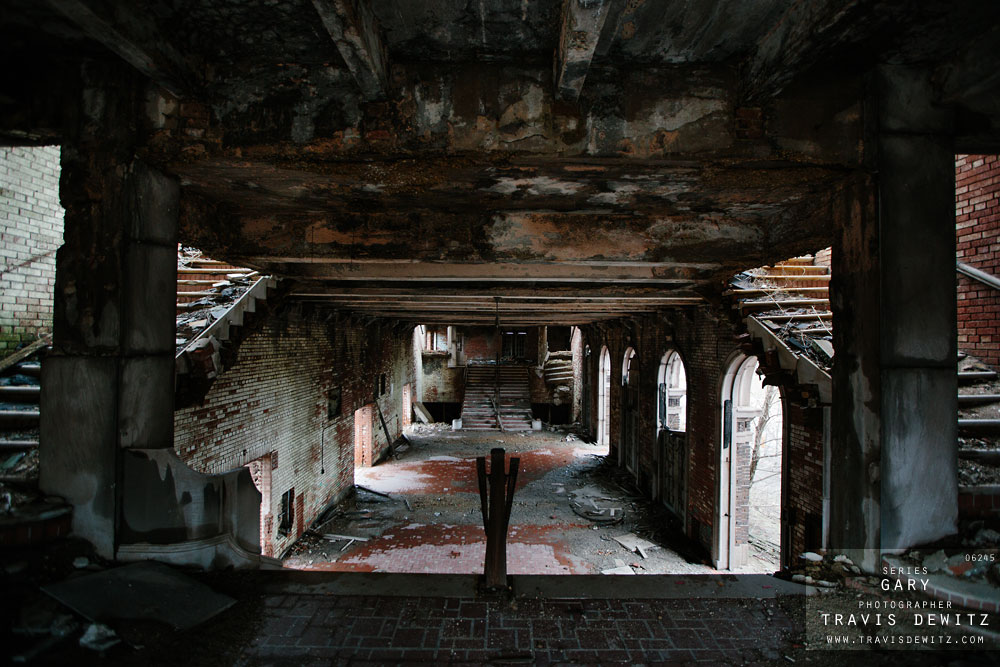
(17, 445)
(20, 393)
(12, 419)
(978, 399)
(786, 269)
(979, 426)
(29, 368)
(965, 377)
(989, 457)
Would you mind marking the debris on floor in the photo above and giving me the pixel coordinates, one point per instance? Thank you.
(146, 590)
(422, 513)
(635, 544)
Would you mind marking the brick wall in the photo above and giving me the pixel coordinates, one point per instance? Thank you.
(977, 216)
(704, 339)
(804, 476)
(31, 230)
(275, 401)
(441, 383)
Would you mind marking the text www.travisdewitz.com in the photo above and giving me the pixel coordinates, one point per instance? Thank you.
(903, 639)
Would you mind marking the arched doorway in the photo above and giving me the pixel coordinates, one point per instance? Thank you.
(749, 520)
(604, 398)
(671, 435)
(629, 456)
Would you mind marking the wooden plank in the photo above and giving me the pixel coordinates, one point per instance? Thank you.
(25, 352)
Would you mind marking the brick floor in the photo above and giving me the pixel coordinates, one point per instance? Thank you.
(310, 629)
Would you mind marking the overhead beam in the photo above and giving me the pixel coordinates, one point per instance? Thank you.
(516, 291)
(665, 275)
(355, 31)
(580, 30)
(972, 77)
(135, 40)
(805, 34)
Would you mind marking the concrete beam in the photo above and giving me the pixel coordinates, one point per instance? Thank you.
(354, 29)
(580, 30)
(136, 40)
(972, 77)
(665, 275)
(514, 292)
(800, 39)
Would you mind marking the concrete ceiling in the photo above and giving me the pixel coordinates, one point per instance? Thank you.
(563, 162)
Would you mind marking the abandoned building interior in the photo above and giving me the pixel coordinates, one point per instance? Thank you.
(723, 276)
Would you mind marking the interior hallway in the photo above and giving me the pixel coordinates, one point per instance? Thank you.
(432, 522)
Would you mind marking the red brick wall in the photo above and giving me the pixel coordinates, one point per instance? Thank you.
(704, 342)
(274, 399)
(31, 230)
(803, 478)
(977, 216)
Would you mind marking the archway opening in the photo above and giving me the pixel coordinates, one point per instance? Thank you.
(751, 465)
(604, 398)
(671, 435)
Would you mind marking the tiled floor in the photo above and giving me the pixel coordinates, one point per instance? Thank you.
(432, 521)
(357, 630)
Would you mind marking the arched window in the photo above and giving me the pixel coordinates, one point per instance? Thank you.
(627, 376)
(672, 393)
(629, 453)
(604, 398)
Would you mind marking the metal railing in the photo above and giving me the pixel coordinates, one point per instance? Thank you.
(976, 274)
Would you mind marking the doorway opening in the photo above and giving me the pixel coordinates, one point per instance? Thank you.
(749, 521)
(363, 436)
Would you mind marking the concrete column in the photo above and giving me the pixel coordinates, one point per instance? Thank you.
(893, 440)
(108, 386)
(918, 315)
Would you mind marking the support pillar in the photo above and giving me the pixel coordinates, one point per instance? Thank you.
(108, 385)
(893, 441)
(918, 314)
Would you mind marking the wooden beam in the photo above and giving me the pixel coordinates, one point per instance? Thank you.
(136, 40)
(354, 29)
(579, 33)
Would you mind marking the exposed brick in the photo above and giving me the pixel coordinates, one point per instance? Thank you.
(31, 230)
(978, 243)
(273, 403)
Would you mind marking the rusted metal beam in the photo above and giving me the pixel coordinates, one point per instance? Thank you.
(354, 29)
(580, 30)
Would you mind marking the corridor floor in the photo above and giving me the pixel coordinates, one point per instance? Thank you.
(431, 521)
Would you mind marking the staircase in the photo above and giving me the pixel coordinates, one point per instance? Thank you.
(19, 419)
(791, 300)
(559, 368)
(478, 413)
(215, 303)
(978, 425)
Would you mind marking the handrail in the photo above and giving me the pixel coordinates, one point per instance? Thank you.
(496, 410)
(976, 274)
